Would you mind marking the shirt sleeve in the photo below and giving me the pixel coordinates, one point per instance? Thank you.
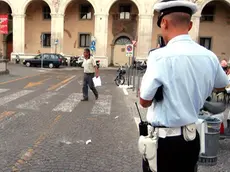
(221, 79)
(93, 61)
(151, 79)
(83, 64)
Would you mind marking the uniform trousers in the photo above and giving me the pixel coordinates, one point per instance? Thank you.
(88, 82)
(174, 154)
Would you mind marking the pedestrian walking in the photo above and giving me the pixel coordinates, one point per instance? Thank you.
(90, 70)
(188, 73)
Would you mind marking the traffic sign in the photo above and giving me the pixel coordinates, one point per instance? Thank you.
(134, 42)
(93, 43)
(92, 48)
(56, 42)
(129, 50)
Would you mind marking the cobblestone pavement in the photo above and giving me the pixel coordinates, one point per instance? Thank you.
(45, 127)
(224, 152)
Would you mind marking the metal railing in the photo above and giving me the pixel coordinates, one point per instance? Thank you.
(133, 77)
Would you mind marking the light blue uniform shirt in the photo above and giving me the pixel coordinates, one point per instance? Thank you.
(188, 73)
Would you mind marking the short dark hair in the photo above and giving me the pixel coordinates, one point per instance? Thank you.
(87, 50)
(179, 18)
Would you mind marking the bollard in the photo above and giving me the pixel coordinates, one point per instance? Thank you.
(138, 83)
(128, 72)
(126, 69)
(134, 79)
(131, 78)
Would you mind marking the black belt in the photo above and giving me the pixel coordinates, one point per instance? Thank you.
(89, 73)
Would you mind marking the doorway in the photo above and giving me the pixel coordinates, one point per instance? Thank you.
(9, 46)
(119, 55)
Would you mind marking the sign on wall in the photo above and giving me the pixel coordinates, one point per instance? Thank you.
(3, 24)
(93, 45)
(129, 49)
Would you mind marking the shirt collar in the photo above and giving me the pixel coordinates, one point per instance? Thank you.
(184, 37)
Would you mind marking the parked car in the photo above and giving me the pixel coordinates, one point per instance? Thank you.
(64, 60)
(47, 59)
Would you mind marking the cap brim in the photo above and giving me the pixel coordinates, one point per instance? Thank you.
(164, 5)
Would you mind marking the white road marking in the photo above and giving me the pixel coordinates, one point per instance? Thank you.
(102, 105)
(137, 121)
(125, 86)
(2, 90)
(6, 99)
(125, 91)
(71, 79)
(35, 103)
(69, 104)
(80, 82)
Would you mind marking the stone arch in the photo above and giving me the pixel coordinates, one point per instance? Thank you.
(10, 4)
(111, 2)
(65, 4)
(121, 35)
(27, 3)
(113, 44)
(204, 3)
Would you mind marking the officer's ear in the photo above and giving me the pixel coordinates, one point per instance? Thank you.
(164, 23)
(190, 25)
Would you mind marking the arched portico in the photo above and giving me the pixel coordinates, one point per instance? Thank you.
(28, 2)
(6, 43)
(111, 3)
(38, 27)
(10, 4)
(214, 27)
(202, 4)
(78, 26)
(123, 24)
(66, 3)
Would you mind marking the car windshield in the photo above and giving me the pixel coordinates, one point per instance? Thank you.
(37, 57)
(60, 56)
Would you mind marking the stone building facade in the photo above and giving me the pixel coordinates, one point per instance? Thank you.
(35, 25)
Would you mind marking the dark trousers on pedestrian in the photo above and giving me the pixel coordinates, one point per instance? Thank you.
(174, 154)
(88, 82)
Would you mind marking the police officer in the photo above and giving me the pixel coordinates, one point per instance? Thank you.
(90, 68)
(188, 73)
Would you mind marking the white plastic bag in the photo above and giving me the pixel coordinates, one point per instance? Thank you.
(97, 81)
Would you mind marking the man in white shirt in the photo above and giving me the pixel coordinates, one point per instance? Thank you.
(90, 69)
(188, 73)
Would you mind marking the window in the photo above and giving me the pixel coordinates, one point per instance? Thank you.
(37, 57)
(84, 40)
(46, 39)
(208, 13)
(85, 12)
(125, 11)
(46, 56)
(54, 57)
(46, 13)
(206, 42)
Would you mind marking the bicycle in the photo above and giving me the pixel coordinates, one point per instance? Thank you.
(120, 79)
